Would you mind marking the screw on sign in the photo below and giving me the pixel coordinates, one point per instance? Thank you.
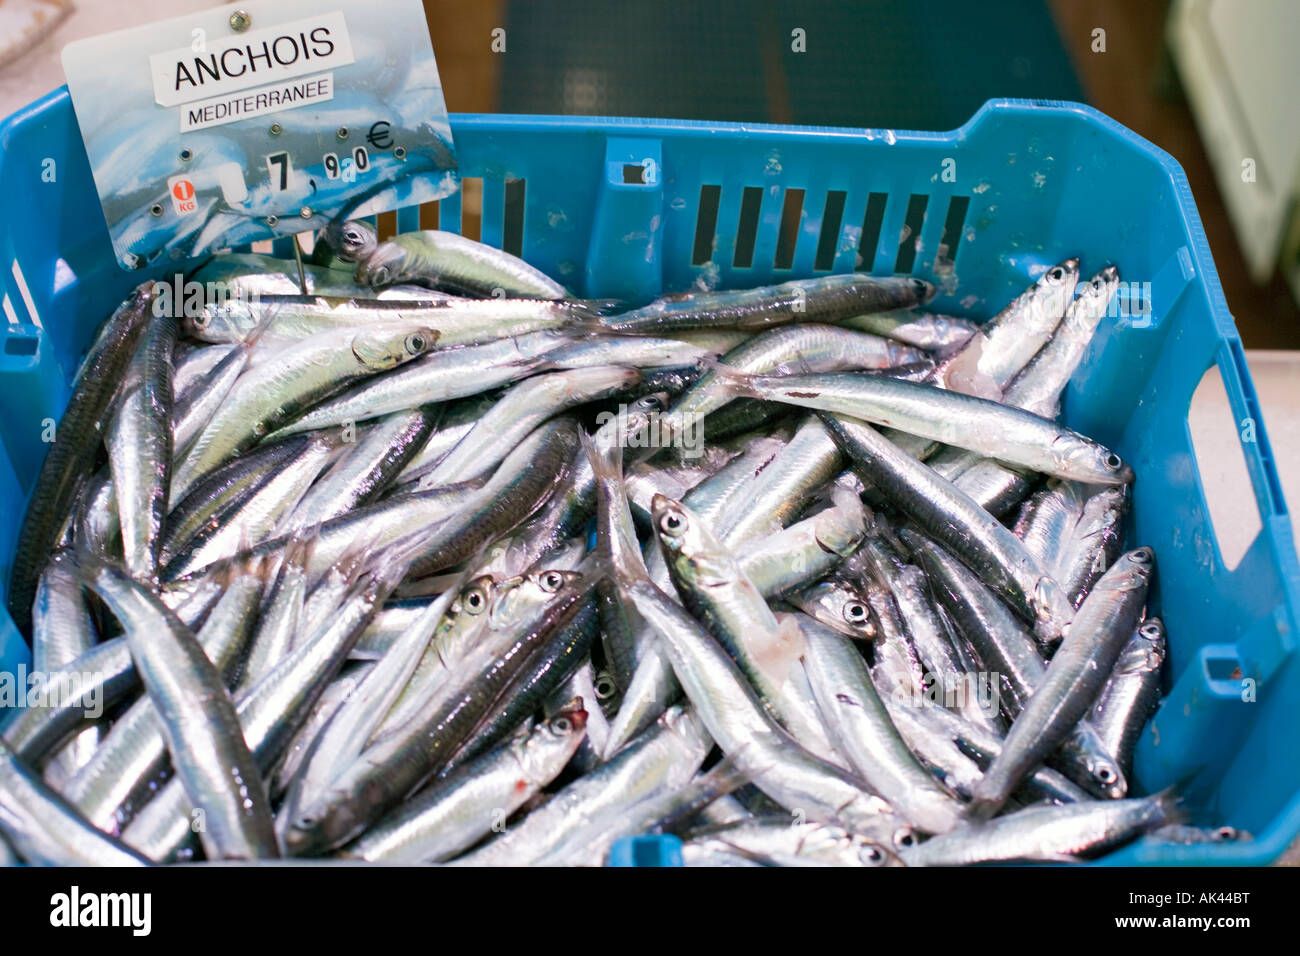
(182, 193)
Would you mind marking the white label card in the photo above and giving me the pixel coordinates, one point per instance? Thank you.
(257, 120)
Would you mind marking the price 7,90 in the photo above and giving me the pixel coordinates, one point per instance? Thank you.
(278, 164)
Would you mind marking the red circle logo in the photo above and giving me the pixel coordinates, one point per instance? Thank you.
(183, 190)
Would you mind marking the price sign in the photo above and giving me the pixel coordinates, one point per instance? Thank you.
(259, 119)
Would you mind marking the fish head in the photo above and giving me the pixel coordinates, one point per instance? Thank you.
(834, 843)
(1155, 645)
(351, 240)
(1107, 776)
(1096, 293)
(385, 266)
(1140, 564)
(313, 829)
(1085, 460)
(605, 684)
(518, 597)
(627, 426)
(385, 348)
(544, 750)
(1055, 288)
(687, 544)
(1146, 650)
(840, 605)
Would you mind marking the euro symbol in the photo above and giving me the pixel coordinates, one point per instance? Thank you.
(378, 136)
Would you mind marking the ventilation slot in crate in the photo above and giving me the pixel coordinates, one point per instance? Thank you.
(471, 209)
(747, 227)
(910, 236)
(429, 215)
(512, 227)
(870, 239)
(946, 255)
(788, 237)
(829, 239)
(706, 224)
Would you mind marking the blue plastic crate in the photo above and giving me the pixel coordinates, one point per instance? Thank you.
(630, 208)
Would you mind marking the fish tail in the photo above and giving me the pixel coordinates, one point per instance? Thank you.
(1167, 805)
(607, 462)
(737, 383)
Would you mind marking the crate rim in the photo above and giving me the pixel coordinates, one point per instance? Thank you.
(1275, 522)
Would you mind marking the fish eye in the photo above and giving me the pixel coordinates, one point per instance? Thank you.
(648, 401)
(1057, 274)
(379, 276)
(1142, 555)
(561, 725)
(605, 686)
(672, 523)
(1150, 631)
(855, 612)
(305, 821)
(552, 581)
(905, 837)
(416, 343)
(1105, 774)
(1225, 833)
(871, 855)
(475, 600)
(1113, 461)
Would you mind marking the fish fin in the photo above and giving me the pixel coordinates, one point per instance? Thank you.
(599, 307)
(961, 372)
(1169, 803)
(846, 500)
(784, 651)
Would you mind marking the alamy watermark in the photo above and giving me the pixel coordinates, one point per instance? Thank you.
(683, 431)
(1131, 304)
(955, 691)
(23, 688)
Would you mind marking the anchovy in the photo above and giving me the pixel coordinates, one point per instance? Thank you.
(924, 330)
(1047, 833)
(1010, 435)
(1005, 344)
(139, 440)
(45, 830)
(664, 755)
(861, 729)
(738, 720)
(197, 718)
(115, 782)
(1130, 694)
(264, 397)
(453, 814)
(1079, 668)
(825, 299)
(951, 518)
(76, 443)
(446, 260)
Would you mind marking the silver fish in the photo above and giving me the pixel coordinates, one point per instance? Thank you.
(1079, 669)
(446, 260)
